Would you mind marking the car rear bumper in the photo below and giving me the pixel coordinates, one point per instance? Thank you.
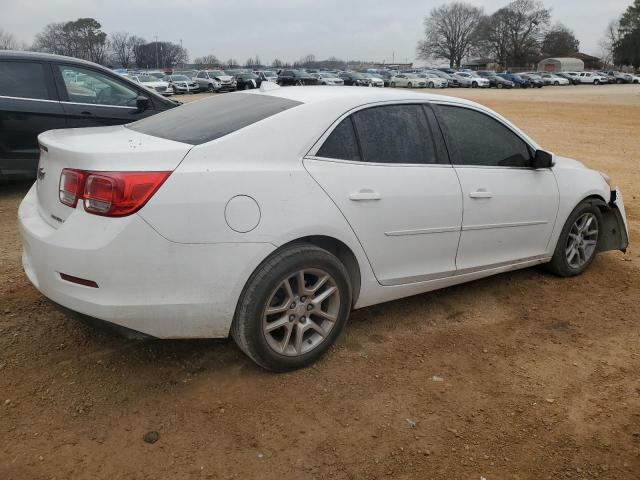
(144, 282)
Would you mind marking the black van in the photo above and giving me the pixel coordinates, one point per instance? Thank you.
(40, 92)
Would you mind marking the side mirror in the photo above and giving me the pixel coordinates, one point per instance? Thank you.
(542, 159)
(142, 103)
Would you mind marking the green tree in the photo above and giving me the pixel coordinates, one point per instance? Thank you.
(626, 50)
(559, 41)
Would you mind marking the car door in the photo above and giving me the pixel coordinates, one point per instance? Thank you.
(92, 98)
(509, 208)
(29, 105)
(386, 170)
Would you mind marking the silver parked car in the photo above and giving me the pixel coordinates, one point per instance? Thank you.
(215, 81)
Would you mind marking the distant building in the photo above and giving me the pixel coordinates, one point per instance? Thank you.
(481, 64)
(561, 65)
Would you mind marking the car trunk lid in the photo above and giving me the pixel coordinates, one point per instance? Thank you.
(106, 149)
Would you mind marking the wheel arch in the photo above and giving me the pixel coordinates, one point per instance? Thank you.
(341, 250)
(614, 234)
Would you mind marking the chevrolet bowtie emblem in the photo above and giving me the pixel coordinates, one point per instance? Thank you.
(41, 173)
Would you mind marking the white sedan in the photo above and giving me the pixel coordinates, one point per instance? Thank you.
(434, 81)
(466, 79)
(408, 80)
(270, 223)
(152, 83)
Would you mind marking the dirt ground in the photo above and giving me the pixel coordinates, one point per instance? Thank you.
(519, 376)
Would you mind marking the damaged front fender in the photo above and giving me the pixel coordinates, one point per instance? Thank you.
(614, 234)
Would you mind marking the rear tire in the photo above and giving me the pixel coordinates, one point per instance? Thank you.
(575, 249)
(303, 324)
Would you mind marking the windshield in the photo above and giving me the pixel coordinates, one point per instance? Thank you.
(181, 78)
(149, 78)
(269, 73)
(216, 73)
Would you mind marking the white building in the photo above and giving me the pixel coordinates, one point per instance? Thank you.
(561, 65)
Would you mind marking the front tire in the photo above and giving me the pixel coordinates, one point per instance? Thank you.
(474, 85)
(210, 88)
(596, 82)
(293, 308)
(578, 242)
(392, 84)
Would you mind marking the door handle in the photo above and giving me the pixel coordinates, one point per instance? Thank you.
(86, 114)
(481, 193)
(364, 194)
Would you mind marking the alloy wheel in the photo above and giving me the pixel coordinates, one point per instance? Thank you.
(301, 312)
(582, 240)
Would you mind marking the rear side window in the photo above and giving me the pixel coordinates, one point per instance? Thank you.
(395, 134)
(206, 120)
(23, 80)
(475, 138)
(342, 143)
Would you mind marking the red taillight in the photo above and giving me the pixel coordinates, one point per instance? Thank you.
(71, 186)
(112, 194)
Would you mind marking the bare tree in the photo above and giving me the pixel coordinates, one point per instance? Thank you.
(207, 61)
(493, 37)
(122, 44)
(7, 41)
(449, 31)
(232, 62)
(611, 38)
(527, 21)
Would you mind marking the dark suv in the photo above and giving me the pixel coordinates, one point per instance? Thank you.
(296, 77)
(40, 92)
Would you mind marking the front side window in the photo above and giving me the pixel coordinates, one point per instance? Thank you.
(88, 86)
(23, 80)
(475, 138)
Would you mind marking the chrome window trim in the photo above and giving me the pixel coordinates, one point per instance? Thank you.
(30, 99)
(98, 105)
(376, 164)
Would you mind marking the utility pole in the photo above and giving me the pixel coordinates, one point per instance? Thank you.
(157, 61)
(181, 50)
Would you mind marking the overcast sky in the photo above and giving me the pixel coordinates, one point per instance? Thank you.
(285, 29)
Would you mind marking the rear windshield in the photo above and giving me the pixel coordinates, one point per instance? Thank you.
(205, 120)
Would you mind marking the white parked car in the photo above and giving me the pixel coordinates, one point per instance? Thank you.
(472, 80)
(551, 79)
(183, 228)
(408, 80)
(433, 80)
(152, 83)
(375, 80)
(592, 78)
(325, 78)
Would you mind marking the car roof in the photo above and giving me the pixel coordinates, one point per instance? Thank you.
(47, 57)
(351, 97)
